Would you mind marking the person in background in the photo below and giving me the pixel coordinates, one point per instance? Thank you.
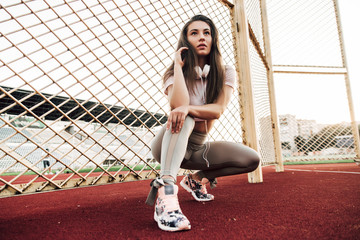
(46, 161)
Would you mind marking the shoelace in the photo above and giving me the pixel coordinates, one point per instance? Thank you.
(155, 185)
(201, 188)
(198, 185)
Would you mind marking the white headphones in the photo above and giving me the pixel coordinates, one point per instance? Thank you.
(202, 73)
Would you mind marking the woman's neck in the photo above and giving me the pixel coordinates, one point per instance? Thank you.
(202, 61)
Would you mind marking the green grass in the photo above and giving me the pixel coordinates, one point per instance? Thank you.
(139, 167)
(319, 162)
(86, 170)
(17, 173)
(116, 168)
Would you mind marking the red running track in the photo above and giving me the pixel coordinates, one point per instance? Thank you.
(304, 202)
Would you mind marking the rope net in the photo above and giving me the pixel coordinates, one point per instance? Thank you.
(259, 80)
(310, 72)
(81, 87)
(81, 83)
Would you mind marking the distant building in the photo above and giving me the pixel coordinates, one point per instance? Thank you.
(288, 131)
(290, 127)
(306, 128)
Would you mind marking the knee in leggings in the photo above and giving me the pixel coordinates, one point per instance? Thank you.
(254, 161)
(157, 141)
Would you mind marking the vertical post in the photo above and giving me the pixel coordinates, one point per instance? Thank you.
(355, 129)
(279, 166)
(241, 44)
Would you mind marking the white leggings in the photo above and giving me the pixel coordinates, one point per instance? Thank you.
(186, 149)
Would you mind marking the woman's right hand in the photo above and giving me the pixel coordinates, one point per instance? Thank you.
(178, 59)
(176, 118)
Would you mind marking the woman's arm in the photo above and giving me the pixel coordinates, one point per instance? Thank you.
(178, 94)
(212, 110)
(209, 111)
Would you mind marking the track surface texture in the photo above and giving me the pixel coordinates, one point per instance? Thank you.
(304, 202)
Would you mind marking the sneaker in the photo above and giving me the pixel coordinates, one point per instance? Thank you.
(197, 190)
(167, 213)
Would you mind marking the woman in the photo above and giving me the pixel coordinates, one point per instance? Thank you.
(199, 88)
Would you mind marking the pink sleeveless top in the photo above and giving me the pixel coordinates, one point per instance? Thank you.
(200, 91)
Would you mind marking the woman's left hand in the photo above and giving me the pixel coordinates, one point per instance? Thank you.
(176, 118)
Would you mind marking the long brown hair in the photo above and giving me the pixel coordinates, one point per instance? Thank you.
(216, 76)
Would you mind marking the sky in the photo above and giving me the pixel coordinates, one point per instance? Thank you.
(322, 97)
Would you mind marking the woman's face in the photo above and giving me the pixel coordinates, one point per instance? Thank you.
(199, 36)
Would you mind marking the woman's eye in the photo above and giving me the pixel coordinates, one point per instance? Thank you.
(193, 33)
(207, 33)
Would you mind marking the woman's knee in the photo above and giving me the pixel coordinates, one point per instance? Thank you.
(247, 157)
(156, 144)
(189, 123)
(253, 160)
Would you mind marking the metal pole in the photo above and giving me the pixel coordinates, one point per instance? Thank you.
(347, 83)
(241, 32)
(279, 166)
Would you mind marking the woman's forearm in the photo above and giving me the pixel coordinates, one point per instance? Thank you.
(179, 94)
(208, 111)
(212, 110)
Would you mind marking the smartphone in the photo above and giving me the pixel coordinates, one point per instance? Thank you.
(184, 54)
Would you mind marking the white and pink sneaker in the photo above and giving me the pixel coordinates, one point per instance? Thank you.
(167, 213)
(197, 190)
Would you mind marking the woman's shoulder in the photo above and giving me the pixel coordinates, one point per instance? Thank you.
(229, 68)
(230, 73)
(230, 78)
(169, 81)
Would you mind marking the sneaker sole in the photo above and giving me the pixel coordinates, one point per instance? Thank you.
(193, 194)
(170, 229)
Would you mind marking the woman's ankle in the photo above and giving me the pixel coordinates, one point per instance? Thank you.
(195, 177)
(168, 179)
(199, 178)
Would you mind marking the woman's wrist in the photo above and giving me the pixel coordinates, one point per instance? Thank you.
(177, 66)
(190, 110)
